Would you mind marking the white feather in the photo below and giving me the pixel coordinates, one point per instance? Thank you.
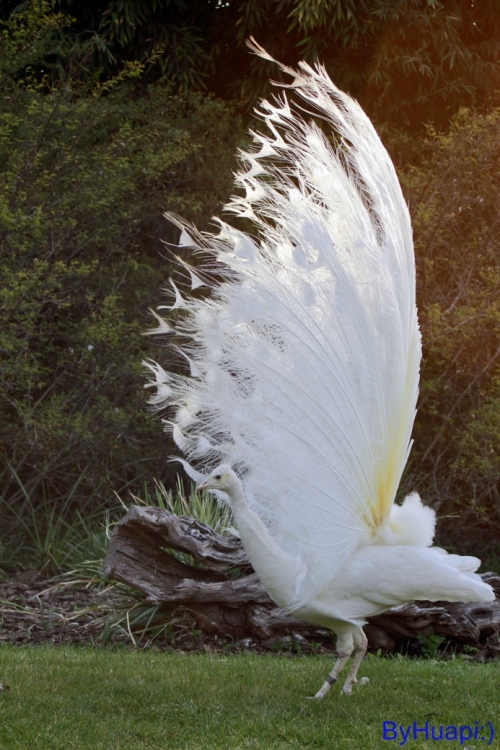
(161, 382)
(161, 328)
(411, 523)
(179, 301)
(185, 240)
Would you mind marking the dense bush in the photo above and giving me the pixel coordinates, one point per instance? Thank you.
(88, 168)
(454, 198)
(87, 171)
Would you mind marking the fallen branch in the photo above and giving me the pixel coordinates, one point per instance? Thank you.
(213, 579)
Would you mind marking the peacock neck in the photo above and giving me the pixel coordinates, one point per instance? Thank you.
(237, 496)
(276, 569)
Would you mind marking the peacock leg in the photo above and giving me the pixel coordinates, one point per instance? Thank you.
(360, 645)
(343, 656)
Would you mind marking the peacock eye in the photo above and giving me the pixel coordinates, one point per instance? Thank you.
(218, 476)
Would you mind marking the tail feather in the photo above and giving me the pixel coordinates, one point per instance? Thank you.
(304, 361)
(411, 523)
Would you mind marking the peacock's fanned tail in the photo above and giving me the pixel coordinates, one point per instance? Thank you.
(304, 358)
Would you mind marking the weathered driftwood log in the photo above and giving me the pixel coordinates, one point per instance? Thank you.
(214, 580)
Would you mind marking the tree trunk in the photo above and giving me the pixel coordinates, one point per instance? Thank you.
(180, 561)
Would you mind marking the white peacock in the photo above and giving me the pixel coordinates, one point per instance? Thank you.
(304, 365)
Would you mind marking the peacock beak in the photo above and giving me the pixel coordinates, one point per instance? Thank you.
(201, 486)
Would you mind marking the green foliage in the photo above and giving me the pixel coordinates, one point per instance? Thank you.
(407, 61)
(166, 34)
(54, 539)
(87, 170)
(430, 58)
(50, 540)
(200, 505)
(430, 643)
(453, 191)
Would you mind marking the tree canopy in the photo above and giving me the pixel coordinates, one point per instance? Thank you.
(407, 61)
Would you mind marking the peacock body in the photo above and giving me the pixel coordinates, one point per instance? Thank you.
(304, 368)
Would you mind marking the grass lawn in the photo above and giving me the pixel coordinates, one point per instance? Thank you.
(80, 698)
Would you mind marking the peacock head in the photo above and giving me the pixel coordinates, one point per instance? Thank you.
(222, 478)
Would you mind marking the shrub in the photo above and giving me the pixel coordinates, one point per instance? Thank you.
(87, 170)
(453, 193)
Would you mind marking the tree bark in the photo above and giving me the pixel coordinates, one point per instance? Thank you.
(181, 561)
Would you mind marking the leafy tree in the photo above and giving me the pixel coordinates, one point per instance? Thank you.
(453, 192)
(407, 61)
(431, 58)
(87, 170)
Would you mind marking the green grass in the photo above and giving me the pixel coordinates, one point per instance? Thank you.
(200, 505)
(56, 538)
(69, 698)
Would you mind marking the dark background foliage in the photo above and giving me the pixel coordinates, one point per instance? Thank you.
(405, 60)
(87, 171)
(113, 112)
(454, 196)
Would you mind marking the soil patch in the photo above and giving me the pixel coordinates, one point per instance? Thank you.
(35, 610)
